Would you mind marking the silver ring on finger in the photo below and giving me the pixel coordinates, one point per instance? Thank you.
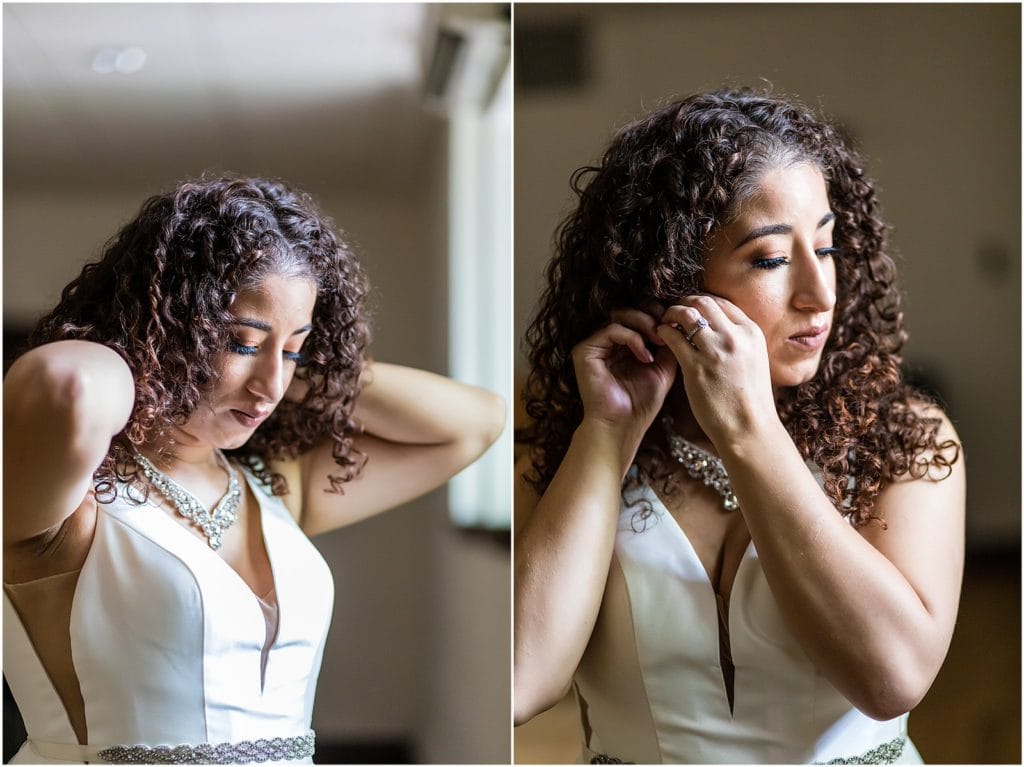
(701, 324)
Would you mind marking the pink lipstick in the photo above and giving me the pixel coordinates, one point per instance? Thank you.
(248, 420)
(810, 339)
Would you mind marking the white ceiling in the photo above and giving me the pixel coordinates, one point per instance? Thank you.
(325, 95)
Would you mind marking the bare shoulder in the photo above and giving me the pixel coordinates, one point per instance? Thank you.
(944, 458)
(937, 473)
(922, 513)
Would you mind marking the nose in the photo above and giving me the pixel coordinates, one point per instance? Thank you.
(268, 377)
(814, 279)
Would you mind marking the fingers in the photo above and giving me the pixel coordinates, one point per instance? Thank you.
(729, 309)
(616, 334)
(693, 319)
(675, 339)
(686, 318)
(643, 322)
(691, 308)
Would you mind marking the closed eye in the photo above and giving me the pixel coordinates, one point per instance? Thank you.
(249, 351)
(775, 263)
(239, 348)
(768, 263)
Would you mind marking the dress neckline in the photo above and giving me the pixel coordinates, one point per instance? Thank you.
(723, 611)
(267, 547)
(748, 550)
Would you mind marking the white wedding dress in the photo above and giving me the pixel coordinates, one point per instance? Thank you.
(171, 647)
(650, 686)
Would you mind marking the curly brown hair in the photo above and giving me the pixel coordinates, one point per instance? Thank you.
(640, 234)
(160, 296)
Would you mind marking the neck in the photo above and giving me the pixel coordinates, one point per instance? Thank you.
(181, 456)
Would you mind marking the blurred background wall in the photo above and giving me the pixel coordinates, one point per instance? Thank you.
(931, 96)
(330, 98)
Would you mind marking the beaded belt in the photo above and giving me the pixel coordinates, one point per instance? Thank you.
(887, 753)
(241, 752)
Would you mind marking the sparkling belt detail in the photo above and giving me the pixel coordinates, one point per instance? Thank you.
(887, 753)
(240, 752)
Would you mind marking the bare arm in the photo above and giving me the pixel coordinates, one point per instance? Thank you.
(564, 540)
(420, 430)
(563, 548)
(874, 609)
(63, 403)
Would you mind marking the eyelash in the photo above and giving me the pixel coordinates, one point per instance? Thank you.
(775, 263)
(249, 351)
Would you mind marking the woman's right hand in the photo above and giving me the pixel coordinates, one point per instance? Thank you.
(621, 382)
(564, 538)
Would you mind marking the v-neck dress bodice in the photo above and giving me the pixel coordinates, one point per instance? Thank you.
(170, 646)
(651, 688)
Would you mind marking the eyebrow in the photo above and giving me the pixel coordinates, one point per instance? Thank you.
(266, 328)
(765, 231)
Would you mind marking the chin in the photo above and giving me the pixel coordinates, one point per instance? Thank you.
(792, 377)
(233, 441)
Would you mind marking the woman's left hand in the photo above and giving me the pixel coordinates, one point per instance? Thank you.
(724, 366)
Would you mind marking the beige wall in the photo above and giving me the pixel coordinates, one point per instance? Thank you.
(932, 95)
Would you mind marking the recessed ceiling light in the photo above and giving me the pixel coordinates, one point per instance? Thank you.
(130, 60)
(105, 61)
(127, 61)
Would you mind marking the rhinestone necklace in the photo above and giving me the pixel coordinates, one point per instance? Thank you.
(700, 464)
(212, 524)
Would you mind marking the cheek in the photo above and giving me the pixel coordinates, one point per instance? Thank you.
(762, 306)
(762, 300)
(231, 375)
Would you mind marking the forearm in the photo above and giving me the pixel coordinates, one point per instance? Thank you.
(852, 610)
(402, 404)
(562, 556)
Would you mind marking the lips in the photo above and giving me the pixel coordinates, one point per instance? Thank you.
(250, 418)
(811, 338)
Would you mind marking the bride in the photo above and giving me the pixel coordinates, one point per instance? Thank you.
(739, 534)
(200, 401)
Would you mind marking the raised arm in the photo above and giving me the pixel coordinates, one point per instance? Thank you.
(63, 403)
(873, 608)
(564, 539)
(420, 430)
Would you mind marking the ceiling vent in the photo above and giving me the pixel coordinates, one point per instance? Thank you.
(468, 60)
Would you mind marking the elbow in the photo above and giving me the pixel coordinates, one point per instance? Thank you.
(69, 398)
(892, 693)
(43, 384)
(487, 425)
(882, 708)
(494, 422)
(81, 393)
(538, 685)
(529, 700)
